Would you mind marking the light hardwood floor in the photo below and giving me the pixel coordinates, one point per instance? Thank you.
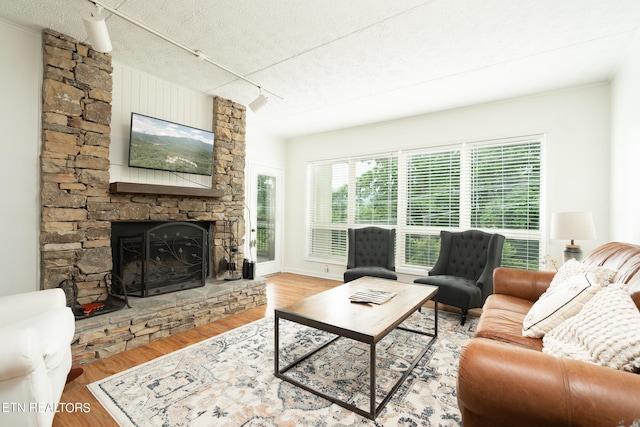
(282, 289)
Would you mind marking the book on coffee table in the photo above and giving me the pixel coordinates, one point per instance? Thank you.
(373, 296)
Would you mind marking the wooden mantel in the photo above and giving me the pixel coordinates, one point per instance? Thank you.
(165, 190)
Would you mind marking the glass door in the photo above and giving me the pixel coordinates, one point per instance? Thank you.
(265, 200)
(266, 219)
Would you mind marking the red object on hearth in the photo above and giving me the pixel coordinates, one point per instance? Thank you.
(88, 309)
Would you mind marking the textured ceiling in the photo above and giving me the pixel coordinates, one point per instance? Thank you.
(339, 63)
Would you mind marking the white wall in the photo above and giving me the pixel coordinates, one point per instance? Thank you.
(264, 148)
(20, 104)
(625, 150)
(576, 122)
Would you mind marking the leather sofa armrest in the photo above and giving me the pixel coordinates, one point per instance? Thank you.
(14, 308)
(21, 353)
(525, 284)
(501, 384)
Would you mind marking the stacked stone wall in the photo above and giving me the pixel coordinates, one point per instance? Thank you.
(76, 117)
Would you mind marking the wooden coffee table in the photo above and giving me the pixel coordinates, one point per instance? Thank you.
(331, 311)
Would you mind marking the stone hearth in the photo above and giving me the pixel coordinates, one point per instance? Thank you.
(161, 316)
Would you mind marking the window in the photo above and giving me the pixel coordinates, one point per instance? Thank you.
(327, 190)
(376, 191)
(433, 189)
(494, 186)
(344, 193)
(505, 195)
(432, 204)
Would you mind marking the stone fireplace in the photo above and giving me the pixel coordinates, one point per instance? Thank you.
(80, 205)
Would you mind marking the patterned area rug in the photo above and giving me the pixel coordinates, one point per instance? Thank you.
(228, 380)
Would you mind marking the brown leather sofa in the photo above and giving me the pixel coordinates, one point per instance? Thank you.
(505, 379)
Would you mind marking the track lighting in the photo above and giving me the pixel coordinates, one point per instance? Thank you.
(259, 102)
(97, 31)
(99, 39)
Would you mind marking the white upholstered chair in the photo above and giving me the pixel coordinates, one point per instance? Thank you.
(36, 330)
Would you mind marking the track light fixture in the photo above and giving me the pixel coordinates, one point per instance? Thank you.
(97, 30)
(259, 102)
(99, 39)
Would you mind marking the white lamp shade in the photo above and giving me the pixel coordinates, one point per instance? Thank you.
(572, 226)
(97, 32)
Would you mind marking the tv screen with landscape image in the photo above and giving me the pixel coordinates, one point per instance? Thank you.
(162, 145)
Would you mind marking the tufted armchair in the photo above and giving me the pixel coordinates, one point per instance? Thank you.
(372, 252)
(464, 268)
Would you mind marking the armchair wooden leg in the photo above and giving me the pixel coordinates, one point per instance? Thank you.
(74, 373)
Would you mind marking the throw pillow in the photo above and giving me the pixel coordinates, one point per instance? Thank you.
(572, 286)
(558, 303)
(605, 332)
(571, 268)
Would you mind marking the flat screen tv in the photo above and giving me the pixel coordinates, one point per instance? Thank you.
(162, 145)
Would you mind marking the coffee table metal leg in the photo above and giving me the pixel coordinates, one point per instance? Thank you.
(435, 303)
(276, 340)
(372, 390)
